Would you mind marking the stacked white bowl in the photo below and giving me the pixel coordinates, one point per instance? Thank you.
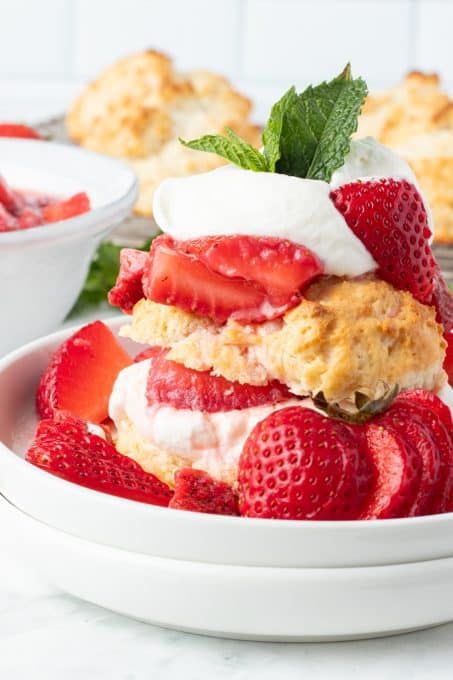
(225, 576)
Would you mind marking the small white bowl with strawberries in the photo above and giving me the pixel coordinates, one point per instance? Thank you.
(56, 203)
(271, 422)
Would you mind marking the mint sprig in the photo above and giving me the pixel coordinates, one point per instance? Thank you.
(307, 135)
(233, 148)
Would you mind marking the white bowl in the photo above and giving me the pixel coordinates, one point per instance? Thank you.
(43, 269)
(183, 535)
(261, 603)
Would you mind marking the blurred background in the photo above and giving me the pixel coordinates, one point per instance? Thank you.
(48, 49)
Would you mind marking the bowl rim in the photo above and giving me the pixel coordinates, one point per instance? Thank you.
(90, 220)
(192, 517)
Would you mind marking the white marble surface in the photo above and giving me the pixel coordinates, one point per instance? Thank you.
(46, 635)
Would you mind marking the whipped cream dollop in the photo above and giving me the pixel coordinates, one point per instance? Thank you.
(209, 441)
(230, 200)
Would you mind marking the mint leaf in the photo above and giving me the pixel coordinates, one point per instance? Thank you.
(316, 131)
(273, 130)
(307, 135)
(233, 148)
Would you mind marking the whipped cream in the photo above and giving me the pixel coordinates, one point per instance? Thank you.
(208, 441)
(230, 200)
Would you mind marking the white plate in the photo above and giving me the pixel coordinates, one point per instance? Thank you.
(240, 602)
(184, 535)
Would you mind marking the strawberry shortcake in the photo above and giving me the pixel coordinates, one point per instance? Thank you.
(294, 325)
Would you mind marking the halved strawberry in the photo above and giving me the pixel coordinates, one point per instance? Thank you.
(405, 419)
(279, 266)
(398, 468)
(7, 221)
(174, 278)
(64, 210)
(244, 278)
(29, 217)
(65, 448)
(197, 491)
(389, 217)
(298, 464)
(81, 373)
(173, 384)
(18, 130)
(128, 289)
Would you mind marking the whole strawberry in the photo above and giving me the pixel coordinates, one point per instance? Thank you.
(298, 464)
(389, 217)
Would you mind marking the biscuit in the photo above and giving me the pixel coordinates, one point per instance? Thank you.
(139, 107)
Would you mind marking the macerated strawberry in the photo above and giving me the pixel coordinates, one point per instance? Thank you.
(18, 130)
(65, 448)
(172, 384)
(197, 491)
(398, 472)
(174, 278)
(280, 266)
(404, 418)
(298, 464)
(389, 217)
(64, 210)
(8, 198)
(128, 289)
(81, 373)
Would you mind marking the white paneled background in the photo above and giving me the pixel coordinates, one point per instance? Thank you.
(49, 48)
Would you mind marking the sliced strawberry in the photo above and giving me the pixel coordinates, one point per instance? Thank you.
(18, 130)
(398, 468)
(65, 448)
(389, 217)
(436, 416)
(149, 353)
(428, 401)
(173, 278)
(282, 268)
(442, 300)
(298, 464)
(448, 361)
(196, 491)
(173, 384)
(128, 289)
(64, 210)
(81, 373)
(8, 198)
(405, 419)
